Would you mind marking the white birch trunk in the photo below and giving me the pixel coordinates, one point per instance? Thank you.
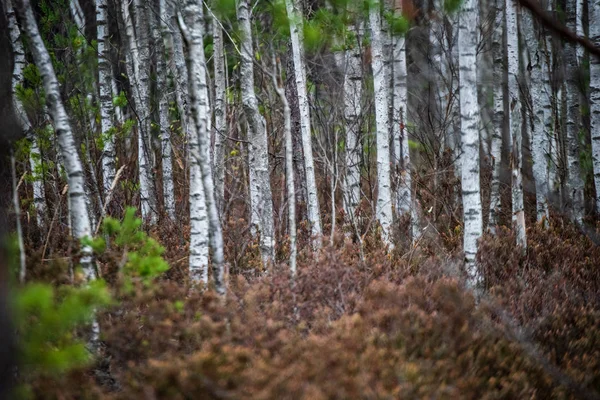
(79, 216)
(514, 115)
(574, 182)
(164, 122)
(499, 55)
(296, 34)
(261, 200)
(289, 166)
(539, 102)
(199, 239)
(140, 56)
(594, 23)
(17, 211)
(35, 160)
(78, 15)
(404, 199)
(220, 113)
(105, 85)
(353, 77)
(384, 198)
(177, 66)
(469, 123)
(198, 98)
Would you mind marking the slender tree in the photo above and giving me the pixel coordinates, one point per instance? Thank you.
(384, 198)
(79, 215)
(499, 55)
(404, 198)
(573, 122)
(538, 103)
(139, 56)
(289, 166)
(163, 116)
(296, 26)
(594, 26)
(35, 159)
(469, 124)
(105, 86)
(192, 25)
(261, 199)
(514, 116)
(353, 76)
(220, 111)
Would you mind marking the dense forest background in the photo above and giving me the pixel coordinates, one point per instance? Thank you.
(301, 199)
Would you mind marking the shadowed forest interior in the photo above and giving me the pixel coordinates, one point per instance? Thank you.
(303, 199)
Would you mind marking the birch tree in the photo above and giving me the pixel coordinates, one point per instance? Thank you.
(105, 87)
(499, 56)
(192, 26)
(384, 198)
(261, 199)
(514, 117)
(539, 103)
(594, 27)
(289, 164)
(79, 216)
(404, 198)
(163, 118)
(220, 111)
(353, 76)
(296, 26)
(574, 181)
(469, 125)
(138, 72)
(176, 64)
(35, 159)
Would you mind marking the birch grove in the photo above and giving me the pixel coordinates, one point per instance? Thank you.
(274, 132)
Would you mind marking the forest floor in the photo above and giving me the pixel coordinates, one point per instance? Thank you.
(394, 325)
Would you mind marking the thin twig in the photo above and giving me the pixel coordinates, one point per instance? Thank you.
(65, 189)
(109, 197)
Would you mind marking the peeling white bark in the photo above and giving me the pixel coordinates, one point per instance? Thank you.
(384, 198)
(198, 99)
(79, 216)
(296, 35)
(261, 199)
(469, 124)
